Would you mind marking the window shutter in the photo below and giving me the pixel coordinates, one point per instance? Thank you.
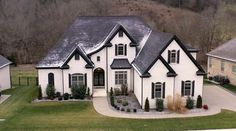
(164, 90)
(125, 49)
(85, 79)
(182, 88)
(69, 78)
(168, 56)
(193, 84)
(115, 50)
(178, 56)
(152, 90)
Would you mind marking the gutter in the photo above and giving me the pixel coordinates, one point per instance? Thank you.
(221, 58)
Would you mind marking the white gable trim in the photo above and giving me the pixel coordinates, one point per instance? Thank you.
(221, 58)
(5, 65)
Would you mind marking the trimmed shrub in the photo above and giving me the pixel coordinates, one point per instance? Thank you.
(59, 98)
(117, 91)
(159, 105)
(189, 103)
(122, 109)
(146, 106)
(111, 91)
(134, 110)
(205, 107)
(199, 101)
(124, 89)
(210, 78)
(221, 79)
(50, 91)
(66, 96)
(58, 94)
(127, 110)
(119, 101)
(125, 103)
(71, 97)
(117, 108)
(78, 92)
(1, 94)
(112, 100)
(39, 93)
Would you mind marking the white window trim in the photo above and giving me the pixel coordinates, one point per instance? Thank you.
(173, 52)
(123, 73)
(77, 75)
(155, 86)
(117, 51)
(190, 88)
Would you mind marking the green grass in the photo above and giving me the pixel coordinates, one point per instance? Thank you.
(230, 87)
(21, 114)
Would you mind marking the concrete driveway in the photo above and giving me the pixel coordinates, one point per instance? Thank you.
(217, 97)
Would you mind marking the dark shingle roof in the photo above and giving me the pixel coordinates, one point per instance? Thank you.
(151, 50)
(4, 61)
(90, 33)
(225, 51)
(120, 64)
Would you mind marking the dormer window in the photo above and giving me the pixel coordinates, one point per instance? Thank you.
(120, 49)
(173, 56)
(120, 33)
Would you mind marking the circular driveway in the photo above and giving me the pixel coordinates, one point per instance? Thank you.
(217, 97)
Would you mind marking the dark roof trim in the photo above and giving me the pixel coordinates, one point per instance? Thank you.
(80, 52)
(47, 67)
(200, 73)
(171, 72)
(185, 50)
(108, 41)
(146, 75)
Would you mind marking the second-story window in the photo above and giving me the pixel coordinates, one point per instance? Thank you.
(173, 56)
(120, 49)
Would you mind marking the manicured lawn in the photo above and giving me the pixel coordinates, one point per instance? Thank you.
(230, 87)
(21, 114)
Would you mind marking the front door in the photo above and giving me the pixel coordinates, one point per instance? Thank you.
(99, 77)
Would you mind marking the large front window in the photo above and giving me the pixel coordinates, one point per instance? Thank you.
(77, 79)
(120, 77)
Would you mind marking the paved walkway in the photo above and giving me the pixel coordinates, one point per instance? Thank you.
(213, 95)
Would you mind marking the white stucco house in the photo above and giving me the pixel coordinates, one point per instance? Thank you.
(105, 52)
(5, 77)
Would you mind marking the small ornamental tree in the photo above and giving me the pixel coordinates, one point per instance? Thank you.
(112, 100)
(78, 92)
(189, 103)
(50, 91)
(199, 101)
(88, 92)
(159, 105)
(82, 92)
(39, 92)
(146, 106)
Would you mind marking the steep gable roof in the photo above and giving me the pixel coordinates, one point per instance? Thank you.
(152, 50)
(225, 51)
(4, 61)
(90, 34)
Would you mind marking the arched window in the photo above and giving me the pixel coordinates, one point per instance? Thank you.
(51, 79)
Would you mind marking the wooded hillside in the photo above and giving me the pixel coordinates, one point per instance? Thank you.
(29, 28)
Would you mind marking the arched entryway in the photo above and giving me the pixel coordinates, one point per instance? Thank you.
(99, 78)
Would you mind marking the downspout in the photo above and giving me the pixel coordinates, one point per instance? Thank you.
(10, 76)
(141, 93)
(133, 80)
(107, 69)
(174, 91)
(62, 73)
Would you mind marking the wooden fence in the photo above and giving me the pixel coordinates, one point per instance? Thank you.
(25, 81)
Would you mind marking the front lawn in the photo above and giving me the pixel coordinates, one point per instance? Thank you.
(230, 87)
(20, 114)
